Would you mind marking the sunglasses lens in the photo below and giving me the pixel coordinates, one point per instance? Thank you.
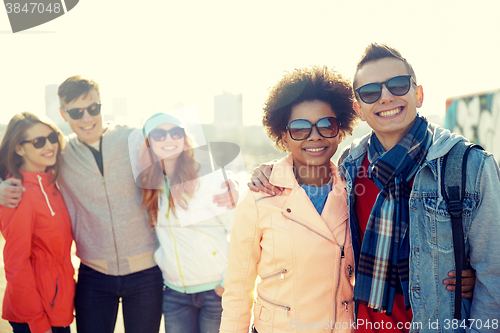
(76, 113)
(399, 85)
(328, 127)
(53, 138)
(299, 129)
(370, 93)
(94, 109)
(39, 142)
(158, 135)
(177, 133)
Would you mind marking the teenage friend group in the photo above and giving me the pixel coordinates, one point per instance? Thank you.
(361, 245)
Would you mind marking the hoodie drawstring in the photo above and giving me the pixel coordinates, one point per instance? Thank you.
(45, 194)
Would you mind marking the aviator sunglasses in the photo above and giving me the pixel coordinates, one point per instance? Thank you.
(41, 140)
(398, 86)
(77, 113)
(300, 129)
(159, 134)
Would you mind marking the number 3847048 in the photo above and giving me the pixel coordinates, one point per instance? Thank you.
(33, 7)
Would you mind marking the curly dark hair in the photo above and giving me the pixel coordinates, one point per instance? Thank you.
(308, 84)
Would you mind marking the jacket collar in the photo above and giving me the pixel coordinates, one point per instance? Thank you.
(302, 211)
(442, 142)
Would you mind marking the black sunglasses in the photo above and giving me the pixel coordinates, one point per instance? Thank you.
(159, 134)
(42, 140)
(77, 113)
(398, 86)
(300, 129)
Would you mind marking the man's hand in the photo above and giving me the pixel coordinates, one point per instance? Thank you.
(11, 191)
(219, 290)
(468, 282)
(224, 199)
(260, 180)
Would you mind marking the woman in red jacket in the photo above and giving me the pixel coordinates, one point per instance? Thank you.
(40, 285)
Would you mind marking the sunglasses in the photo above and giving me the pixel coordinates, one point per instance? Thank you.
(300, 129)
(159, 134)
(398, 86)
(77, 113)
(42, 140)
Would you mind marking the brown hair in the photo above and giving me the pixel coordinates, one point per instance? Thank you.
(74, 87)
(308, 84)
(376, 51)
(10, 161)
(186, 170)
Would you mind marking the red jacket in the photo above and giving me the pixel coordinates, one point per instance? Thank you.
(40, 284)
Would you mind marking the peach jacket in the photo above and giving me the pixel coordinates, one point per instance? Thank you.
(304, 261)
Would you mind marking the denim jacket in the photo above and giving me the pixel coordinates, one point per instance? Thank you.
(431, 242)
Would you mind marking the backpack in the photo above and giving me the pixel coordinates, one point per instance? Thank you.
(453, 178)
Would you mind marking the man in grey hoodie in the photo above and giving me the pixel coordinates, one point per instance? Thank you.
(113, 238)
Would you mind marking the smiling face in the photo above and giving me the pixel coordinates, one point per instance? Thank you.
(168, 148)
(37, 160)
(315, 151)
(390, 117)
(88, 128)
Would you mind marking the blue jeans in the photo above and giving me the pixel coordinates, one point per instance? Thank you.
(25, 328)
(98, 295)
(191, 313)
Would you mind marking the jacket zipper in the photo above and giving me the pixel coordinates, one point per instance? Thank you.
(167, 215)
(112, 224)
(282, 272)
(342, 255)
(55, 296)
(345, 303)
(286, 307)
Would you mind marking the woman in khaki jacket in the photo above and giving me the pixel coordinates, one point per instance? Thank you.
(297, 241)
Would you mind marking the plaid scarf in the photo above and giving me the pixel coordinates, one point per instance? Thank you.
(384, 259)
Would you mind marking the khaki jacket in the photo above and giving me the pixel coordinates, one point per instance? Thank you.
(306, 270)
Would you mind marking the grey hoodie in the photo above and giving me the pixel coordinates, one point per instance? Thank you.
(110, 228)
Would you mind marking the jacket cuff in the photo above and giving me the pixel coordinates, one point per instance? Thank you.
(40, 325)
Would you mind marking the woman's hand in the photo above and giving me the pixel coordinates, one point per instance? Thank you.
(229, 199)
(219, 290)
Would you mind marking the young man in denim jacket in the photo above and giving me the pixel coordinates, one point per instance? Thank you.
(403, 242)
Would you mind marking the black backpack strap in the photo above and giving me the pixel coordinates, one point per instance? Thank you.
(453, 179)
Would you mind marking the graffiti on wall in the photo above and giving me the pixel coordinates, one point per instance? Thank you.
(476, 117)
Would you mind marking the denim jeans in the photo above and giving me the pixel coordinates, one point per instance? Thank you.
(25, 328)
(191, 313)
(98, 295)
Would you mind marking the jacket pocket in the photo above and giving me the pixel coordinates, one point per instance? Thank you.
(285, 307)
(438, 222)
(281, 273)
(55, 294)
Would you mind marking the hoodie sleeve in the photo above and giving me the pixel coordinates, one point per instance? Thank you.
(485, 248)
(23, 299)
(241, 272)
